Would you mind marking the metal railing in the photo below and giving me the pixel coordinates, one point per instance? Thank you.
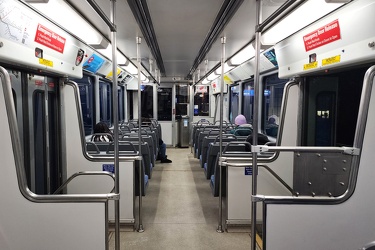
(89, 173)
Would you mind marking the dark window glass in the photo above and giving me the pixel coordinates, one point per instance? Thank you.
(121, 106)
(39, 144)
(47, 176)
(147, 101)
(331, 108)
(105, 97)
(130, 103)
(234, 102)
(272, 99)
(165, 104)
(182, 100)
(248, 101)
(86, 92)
(201, 101)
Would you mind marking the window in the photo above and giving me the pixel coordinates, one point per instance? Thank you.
(105, 97)
(331, 108)
(147, 101)
(234, 102)
(248, 101)
(86, 92)
(182, 100)
(201, 101)
(121, 104)
(165, 104)
(272, 98)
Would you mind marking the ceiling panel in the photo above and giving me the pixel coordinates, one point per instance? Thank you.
(181, 27)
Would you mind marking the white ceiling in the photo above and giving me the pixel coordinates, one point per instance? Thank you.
(180, 26)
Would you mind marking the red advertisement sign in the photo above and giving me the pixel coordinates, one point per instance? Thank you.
(49, 38)
(322, 36)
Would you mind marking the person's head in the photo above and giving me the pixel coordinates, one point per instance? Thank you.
(101, 127)
(271, 120)
(240, 120)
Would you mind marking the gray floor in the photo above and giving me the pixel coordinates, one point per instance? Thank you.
(179, 211)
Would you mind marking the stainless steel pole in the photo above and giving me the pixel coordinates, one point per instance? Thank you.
(220, 226)
(255, 127)
(140, 225)
(115, 122)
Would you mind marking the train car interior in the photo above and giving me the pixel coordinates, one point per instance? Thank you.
(216, 124)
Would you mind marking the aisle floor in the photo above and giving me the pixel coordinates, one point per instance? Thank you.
(179, 211)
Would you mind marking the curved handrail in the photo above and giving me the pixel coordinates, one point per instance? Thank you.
(85, 173)
(18, 158)
(90, 157)
(358, 142)
(249, 164)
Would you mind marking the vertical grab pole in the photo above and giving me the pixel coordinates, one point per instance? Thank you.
(255, 126)
(140, 225)
(115, 127)
(191, 112)
(220, 226)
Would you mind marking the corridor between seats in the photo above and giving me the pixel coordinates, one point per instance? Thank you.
(179, 211)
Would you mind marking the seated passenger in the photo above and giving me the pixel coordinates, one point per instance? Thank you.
(103, 133)
(272, 127)
(162, 146)
(162, 152)
(242, 127)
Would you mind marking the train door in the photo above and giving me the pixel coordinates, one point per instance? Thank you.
(43, 126)
(165, 109)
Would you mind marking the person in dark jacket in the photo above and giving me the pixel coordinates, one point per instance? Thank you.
(102, 133)
(162, 146)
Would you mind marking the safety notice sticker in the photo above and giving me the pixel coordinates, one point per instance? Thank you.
(49, 38)
(322, 36)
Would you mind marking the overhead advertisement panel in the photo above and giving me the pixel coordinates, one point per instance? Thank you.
(93, 63)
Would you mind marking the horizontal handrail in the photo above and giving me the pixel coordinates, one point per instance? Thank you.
(109, 157)
(249, 164)
(344, 150)
(290, 199)
(54, 198)
(90, 173)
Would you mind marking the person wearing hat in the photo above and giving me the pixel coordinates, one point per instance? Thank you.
(242, 127)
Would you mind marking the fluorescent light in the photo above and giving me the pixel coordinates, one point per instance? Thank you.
(143, 77)
(121, 59)
(63, 14)
(310, 11)
(246, 54)
(226, 69)
(131, 69)
(212, 76)
(205, 81)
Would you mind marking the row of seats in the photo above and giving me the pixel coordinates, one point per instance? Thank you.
(206, 143)
(129, 145)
